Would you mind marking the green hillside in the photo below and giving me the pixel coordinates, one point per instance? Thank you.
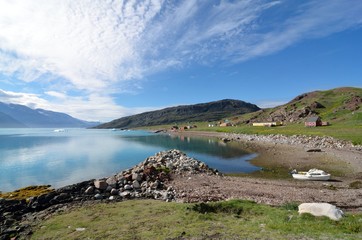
(337, 106)
(341, 107)
(211, 111)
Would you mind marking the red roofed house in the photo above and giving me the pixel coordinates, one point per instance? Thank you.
(313, 122)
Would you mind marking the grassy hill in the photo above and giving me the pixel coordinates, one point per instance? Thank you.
(341, 107)
(211, 111)
(338, 106)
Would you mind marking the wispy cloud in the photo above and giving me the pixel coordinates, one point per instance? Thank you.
(98, 46)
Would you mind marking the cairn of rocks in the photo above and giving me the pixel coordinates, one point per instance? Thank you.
(149, 179)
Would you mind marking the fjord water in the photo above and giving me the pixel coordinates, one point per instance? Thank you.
(59, 158)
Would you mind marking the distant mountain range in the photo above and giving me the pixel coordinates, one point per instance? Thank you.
(20, 116)
(211, 111)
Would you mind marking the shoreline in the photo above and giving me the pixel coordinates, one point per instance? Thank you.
(291, 152)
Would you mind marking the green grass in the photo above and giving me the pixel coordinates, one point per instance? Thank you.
(236, 219)
(348, 132)
(26, 192)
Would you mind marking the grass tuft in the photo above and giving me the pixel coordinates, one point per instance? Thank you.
(26, 192)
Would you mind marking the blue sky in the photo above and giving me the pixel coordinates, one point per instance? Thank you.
(101, 60)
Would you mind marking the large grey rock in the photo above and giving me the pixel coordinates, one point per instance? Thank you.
(98, 196)
(136, 184)
(128, 187)
(321, 209)
(114, 191)
(137, 177)
(112, 181)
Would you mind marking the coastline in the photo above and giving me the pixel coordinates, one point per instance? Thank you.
(291, 153)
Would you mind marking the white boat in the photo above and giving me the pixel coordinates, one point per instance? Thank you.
(59, 130)
(312, 174)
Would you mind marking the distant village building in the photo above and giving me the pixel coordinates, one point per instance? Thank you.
(174, 128)
(225, 124)
(268, 124)
(313, 122)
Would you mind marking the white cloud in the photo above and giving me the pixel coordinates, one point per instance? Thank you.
(30, 100)
(96, 46)
(89, 43)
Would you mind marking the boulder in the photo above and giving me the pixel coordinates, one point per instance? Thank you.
(321, 209)
(114, 191)
(112, 181)
(98, 196)
(101, 184)
(136, 184)
(128, 187)
(137, 177)
(89, 190)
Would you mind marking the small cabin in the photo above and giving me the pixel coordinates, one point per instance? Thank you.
(313, 122)
(267, 124)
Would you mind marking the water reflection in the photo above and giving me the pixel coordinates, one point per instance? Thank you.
(42, 157)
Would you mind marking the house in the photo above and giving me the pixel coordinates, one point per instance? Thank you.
(313, 122)
(267, 124)
(225, 124)
(174, 128)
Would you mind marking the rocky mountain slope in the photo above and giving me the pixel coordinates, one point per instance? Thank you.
(340, 104)
(211, 111)
(15, 115)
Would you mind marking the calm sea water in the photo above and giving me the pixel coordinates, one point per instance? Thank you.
(44, 156)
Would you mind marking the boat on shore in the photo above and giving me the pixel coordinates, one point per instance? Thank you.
(312, 175)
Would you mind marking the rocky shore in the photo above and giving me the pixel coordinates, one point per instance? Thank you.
(149, 179)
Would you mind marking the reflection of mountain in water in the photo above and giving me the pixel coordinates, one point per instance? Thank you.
(212, 146)
(14, 142)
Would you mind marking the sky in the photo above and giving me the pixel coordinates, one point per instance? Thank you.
(104, 59)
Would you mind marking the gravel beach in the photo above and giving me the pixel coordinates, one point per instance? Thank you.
(336, 156)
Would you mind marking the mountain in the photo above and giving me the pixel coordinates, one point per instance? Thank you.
(211, 111)
(335, 105)
(15, 115)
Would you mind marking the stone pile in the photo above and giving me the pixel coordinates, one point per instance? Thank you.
(149, 179)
